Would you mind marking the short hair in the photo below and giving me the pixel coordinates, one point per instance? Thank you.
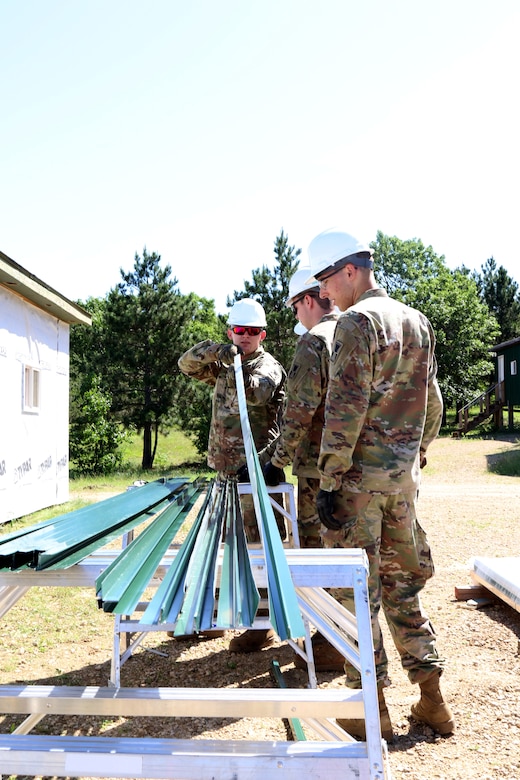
(324, 303)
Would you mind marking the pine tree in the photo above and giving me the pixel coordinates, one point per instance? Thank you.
(144, 328)
(271, 289)
(500, 293)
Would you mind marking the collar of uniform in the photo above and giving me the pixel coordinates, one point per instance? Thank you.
(331, 317)
(375, 292)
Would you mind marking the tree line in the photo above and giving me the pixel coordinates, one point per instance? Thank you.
(124, 373)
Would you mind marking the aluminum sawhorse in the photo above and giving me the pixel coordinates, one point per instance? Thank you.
(336, 756)
(285, 489)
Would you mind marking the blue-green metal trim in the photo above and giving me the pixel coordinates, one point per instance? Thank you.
(238, 596)
(294, 723)
(283, 604)
(197, 607)
(120, 587)
(167, 600)
(187, 594)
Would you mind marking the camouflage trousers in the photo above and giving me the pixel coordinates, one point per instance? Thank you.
(309, 525)
(250, 522)
(400, 564)
(247, 508)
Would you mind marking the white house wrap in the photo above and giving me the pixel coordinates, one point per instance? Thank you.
(34, 391)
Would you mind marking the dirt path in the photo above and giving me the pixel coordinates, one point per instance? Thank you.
(467, 511)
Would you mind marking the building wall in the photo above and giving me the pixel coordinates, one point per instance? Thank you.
(512, 381)
(34, 470)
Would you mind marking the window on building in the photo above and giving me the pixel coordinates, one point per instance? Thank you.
(513, 368)
(31, 389)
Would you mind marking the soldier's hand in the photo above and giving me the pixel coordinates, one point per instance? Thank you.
(227, 353)
(326, 504)
(272, 474)
(243, 473)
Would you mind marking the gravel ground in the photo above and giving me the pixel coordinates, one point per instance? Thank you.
(466, 510)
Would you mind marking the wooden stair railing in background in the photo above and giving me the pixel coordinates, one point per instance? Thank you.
(490, 403)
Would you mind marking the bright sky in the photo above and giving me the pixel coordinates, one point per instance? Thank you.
(200, 129)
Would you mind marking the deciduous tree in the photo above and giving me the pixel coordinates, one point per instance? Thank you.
(95, 437)
(464, 328)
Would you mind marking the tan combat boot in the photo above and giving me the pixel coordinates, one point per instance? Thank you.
(431, 707)
(326, 657)
(253, 639)
(356, 726)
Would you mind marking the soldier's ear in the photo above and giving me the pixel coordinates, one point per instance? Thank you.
(230, 334)
(262, 336)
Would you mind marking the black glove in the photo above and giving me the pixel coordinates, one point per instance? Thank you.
(272, 474)
(326, 503)
(243, 473)
(227, 353)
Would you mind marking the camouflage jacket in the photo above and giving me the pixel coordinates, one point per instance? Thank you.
(303, 417)
(384, 406)
(264, 380)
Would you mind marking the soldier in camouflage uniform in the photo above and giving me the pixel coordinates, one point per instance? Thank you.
(299, 443)
(264, 380)
(383, 409)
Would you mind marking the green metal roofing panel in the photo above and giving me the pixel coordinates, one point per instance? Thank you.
(70, 537)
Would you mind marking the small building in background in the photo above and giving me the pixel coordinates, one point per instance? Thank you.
(508, 375)
(34, 391)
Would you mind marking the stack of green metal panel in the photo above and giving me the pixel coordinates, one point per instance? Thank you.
(69, 538)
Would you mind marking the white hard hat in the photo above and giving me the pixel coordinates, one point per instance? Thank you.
(334, 246)
(299, 284)
(247, 312)
(299, 329)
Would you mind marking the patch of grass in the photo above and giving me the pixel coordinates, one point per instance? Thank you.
(49, 626)
(176, 456)
(173, 451)
(506, 464)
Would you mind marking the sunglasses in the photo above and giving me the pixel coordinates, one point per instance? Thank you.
(299, 300)
(241, 330)
(293, 306)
